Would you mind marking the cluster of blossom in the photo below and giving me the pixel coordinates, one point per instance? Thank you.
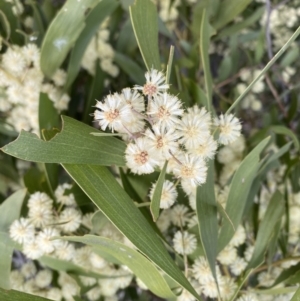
(47, 219)
(21, 82)
(100, 51)
(284, 19)
(169, 11)
(251, 101)
(158, 129)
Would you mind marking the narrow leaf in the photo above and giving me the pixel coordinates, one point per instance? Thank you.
(155, 202)
(130, 67)
(273, 214)
(144, 21)
(103, 189)
(62, 34)
(5, 24)
(73, 144)
(228, 10)
(137, 263)
(169, 66)
(204, 53)
(95, 90)
(207, 217)
(93, 20)
(287, 274)
(238, 193)
(10, 209)
(278, 129)
(67, 266)
(13, 295)
(6, 251)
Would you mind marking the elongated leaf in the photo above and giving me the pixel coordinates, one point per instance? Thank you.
(10, 209)
(5, 24)
(95, 90)
(267, 67)
(296, 296)
(130, 67)
(238, 193)
(62, 34)
(287, 274)
(144, 21)
(207, 217)
(228, 10)
(204, 45)
(67, 266)
(237, 27)
(6, 251)
(273, 214)
(137, 263)
(155, 202)
(103, 189)
(13, 295)
(285, 131)
(73, 144)
(93, 20)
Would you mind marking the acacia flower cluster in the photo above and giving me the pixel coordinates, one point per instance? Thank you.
(158, 128)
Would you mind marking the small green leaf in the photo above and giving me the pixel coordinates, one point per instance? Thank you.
(13, 295)
(73, 144)
(62, 34)
(144, 19)
(238, 193)
(138, 264)
(103, 189)
(155, 202)
(130, 67)
(93, 20)
(204, 45)
(5, 24)
(278, 129)
(273, 214)
(228, 10)
(207, 217)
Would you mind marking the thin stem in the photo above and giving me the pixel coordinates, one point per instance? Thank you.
(170, 62)
(276, 263)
